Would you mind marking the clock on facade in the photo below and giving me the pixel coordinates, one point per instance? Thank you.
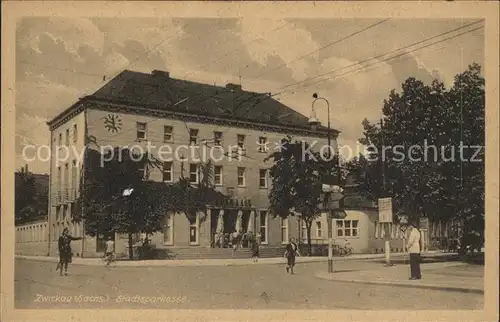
(112, 123)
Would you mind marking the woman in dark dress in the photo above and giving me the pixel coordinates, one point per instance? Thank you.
(292, 250)
(65, 251)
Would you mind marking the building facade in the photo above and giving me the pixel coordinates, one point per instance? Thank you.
(182, 123)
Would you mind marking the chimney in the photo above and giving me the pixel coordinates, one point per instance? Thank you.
(160, 74)
(233, 87)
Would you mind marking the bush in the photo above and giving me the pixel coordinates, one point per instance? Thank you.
(146, 251)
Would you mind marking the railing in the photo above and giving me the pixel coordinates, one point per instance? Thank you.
(65, 196)
(72, 195)
(315, 241)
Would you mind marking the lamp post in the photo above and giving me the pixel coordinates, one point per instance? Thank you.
(387, 225)
(314, 122)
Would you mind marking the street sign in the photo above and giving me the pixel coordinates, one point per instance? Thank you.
(127, 192)
(331, 201)
(331, 188)
(385, 210)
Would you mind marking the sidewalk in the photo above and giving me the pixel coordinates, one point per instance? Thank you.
(211, 262)
(446, 276)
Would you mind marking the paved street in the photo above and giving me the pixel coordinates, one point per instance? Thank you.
(37, 285)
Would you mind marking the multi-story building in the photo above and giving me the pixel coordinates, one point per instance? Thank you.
(185, 118)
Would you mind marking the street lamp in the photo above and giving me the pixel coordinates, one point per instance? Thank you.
(314, 122)
(326, 189)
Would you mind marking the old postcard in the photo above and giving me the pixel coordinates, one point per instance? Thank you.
(250, 161)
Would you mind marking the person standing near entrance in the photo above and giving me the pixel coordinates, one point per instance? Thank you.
(414, 251)
(65, 254)
(110, 250)
(235, 241)
(292, 250)
(255, 247)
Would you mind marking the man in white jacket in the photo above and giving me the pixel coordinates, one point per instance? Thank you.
(414, 250)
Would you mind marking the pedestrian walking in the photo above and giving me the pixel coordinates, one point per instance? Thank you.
(65, 254)
(235, 240)
(292, 250)
(255, 247)
(414, 251)
(110, 250)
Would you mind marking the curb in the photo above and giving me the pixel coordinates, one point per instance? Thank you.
(397, 284)
(187, 263)
(202, 262)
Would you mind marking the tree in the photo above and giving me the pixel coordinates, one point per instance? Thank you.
(106, 209)
(424, 169)
(297, 179)
(31, 199)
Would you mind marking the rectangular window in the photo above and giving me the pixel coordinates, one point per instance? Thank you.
(193, 136)
(347, 228)
(194, 222)
(262, 144)
(167, 172)
(218, 175)
(217, 138)
(263, 227)
(354, 228)
(193, 173)
(168, 133)
(66, 180)
(75, 133)
(59, 176)
(141, 131)
(263, 178)
(67, 137)
(284, 230)
(168, 229)
(241, 141)
(60, 139)
(319, 231)
(73, 181)
(303, 229)
(241, 177)
(340, 228)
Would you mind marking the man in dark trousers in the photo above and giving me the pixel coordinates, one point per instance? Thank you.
(65, 251)
(292, 250)
(414, 251)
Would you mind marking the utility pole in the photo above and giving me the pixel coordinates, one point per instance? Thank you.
(314, 122)
(82, 184)
(387, 225)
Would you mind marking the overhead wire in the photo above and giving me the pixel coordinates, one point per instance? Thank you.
(384, 54)
(324, 47)
(385, 60)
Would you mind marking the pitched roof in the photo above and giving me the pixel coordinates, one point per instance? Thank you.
(159, 91)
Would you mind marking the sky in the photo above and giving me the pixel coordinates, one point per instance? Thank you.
(350, 62)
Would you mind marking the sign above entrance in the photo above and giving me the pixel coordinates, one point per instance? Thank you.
(385, 210)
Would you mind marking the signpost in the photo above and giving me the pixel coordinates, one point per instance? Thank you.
(385, 217)
(403, 223)
(331, 202)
